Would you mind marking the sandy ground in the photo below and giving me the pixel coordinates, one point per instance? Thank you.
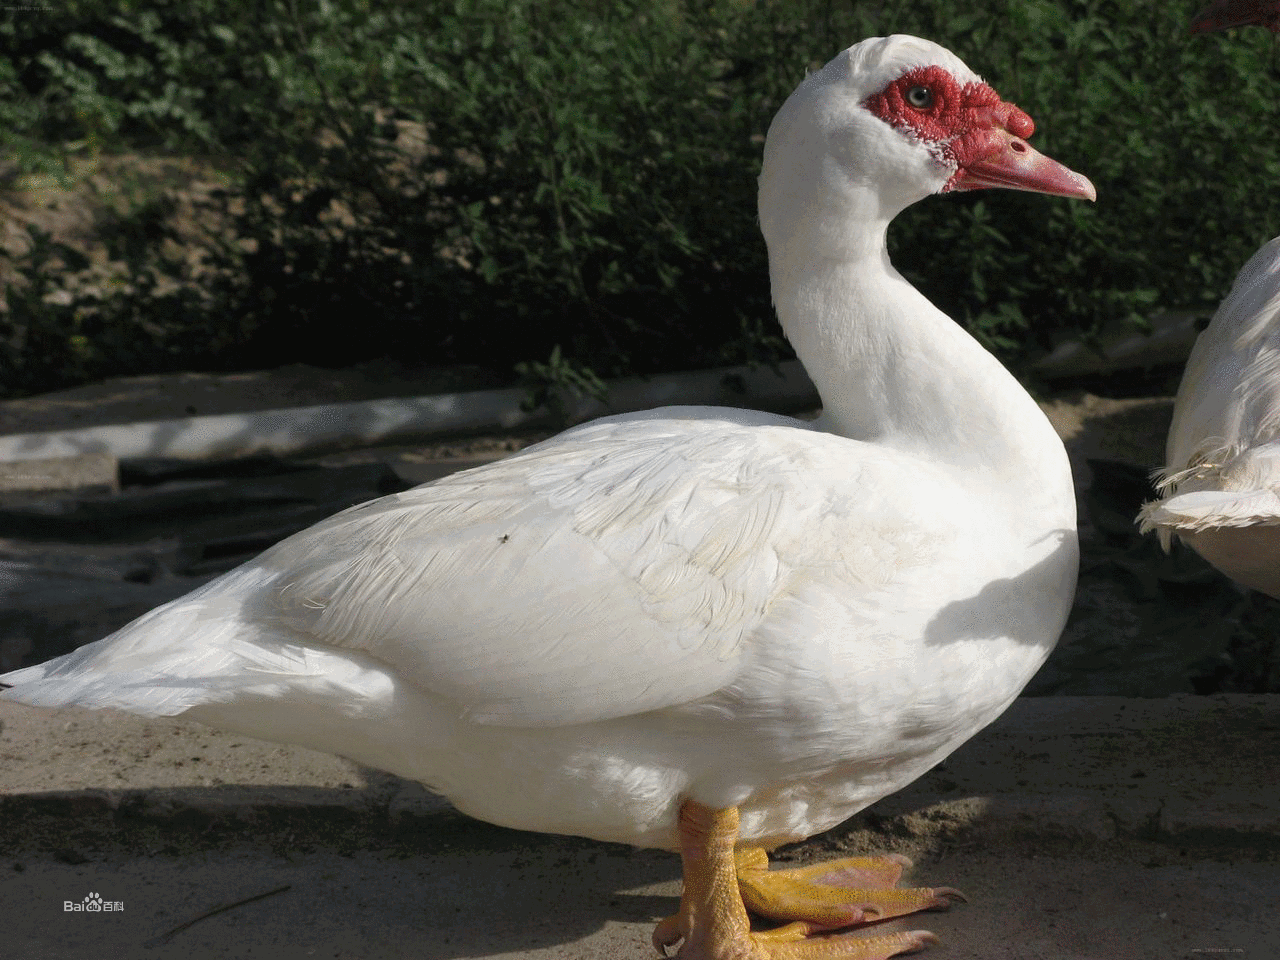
(1081, 828)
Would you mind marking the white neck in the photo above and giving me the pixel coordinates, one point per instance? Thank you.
(894, 370)
(891, 368)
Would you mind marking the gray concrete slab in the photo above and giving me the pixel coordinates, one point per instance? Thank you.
(297, 429)
(87, 472)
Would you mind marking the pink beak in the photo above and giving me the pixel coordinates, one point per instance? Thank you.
(1014, 164)
(1224, 14)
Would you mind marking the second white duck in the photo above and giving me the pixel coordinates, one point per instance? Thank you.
(1221, 482)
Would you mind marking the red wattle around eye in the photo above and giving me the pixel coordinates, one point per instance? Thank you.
(955, 110)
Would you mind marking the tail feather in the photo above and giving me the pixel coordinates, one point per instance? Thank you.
(153, 668)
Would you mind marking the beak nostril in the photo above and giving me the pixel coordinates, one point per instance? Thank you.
(1018, 146)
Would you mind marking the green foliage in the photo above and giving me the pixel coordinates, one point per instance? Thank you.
(548, 382)
(501, 181)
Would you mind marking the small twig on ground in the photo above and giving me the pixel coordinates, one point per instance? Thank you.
(221, 908)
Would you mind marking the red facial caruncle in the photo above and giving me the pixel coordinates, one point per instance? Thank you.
(967, 126)
(960, 120)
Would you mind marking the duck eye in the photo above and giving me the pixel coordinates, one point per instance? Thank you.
(920, 97)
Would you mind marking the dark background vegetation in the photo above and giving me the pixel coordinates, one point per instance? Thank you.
(567, 187)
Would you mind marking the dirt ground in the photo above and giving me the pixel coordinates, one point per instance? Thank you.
(1080, 828)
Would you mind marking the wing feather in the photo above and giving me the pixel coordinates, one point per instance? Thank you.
(613, 570)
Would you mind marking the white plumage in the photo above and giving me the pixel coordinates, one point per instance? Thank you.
(731, 607)
(1221, 482)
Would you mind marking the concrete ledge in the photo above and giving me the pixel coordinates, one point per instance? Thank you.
(86, 472)
(330, 426)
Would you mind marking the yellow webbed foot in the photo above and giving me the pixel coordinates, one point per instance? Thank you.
(713, 925)
(834, 894)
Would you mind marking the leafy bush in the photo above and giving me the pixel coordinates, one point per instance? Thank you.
(569, 185)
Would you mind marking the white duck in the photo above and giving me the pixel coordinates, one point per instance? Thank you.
(1221, 483)
(1220, 487)
(702, 629)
